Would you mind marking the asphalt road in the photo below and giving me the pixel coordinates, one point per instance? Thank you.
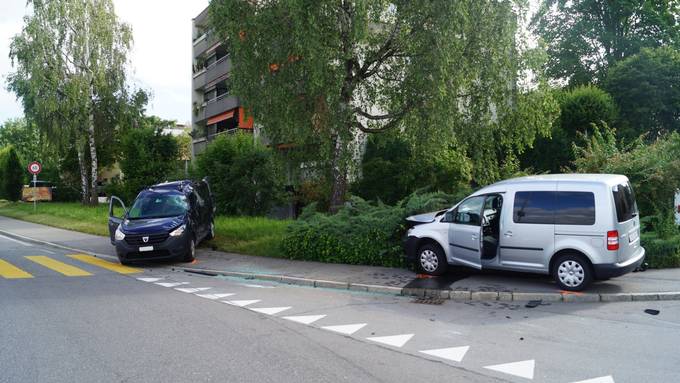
(107, 324)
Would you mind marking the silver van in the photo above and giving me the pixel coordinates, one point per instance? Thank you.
(575, 227)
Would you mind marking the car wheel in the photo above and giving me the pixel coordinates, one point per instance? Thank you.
(191, 251)
(431, 259)
(572, 272)
(124, 262)
(211, 232)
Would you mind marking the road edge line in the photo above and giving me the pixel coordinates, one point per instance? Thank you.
(56, 245)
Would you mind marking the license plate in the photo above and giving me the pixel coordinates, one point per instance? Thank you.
(633, 236)
(146, 248)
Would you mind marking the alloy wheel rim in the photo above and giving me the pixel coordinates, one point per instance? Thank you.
(429, 260)
(571, 273)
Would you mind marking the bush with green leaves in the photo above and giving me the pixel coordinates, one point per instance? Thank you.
(245, 176)
(361, 233)
(11, 174)
(661, 253)
(148, 156)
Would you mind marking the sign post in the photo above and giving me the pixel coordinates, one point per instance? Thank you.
(34, 168)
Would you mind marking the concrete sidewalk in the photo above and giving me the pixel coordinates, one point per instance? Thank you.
(459, 284)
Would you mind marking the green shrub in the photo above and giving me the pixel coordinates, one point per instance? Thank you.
(361, 233)
(245, 175)
(148, 157)
(661, 253)
(11, 174)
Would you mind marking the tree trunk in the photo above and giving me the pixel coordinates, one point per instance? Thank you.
(339, 175)
(85, 193)
(93, 158)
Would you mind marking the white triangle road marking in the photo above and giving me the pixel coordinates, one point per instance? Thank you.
(214, 296)
(192, 289)
(149, 279)
(171, 284)
(241, 303)
(523, 369)
(305, 319)
(392, 340)
(347, 329)
(270, 310)
(455, 354)
(601, 379)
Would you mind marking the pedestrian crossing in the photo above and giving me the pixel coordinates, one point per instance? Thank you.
(17, 270)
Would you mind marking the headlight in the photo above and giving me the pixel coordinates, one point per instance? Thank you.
(179, 231)
(119, 234)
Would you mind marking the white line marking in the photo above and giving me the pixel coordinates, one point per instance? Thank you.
(241, 303)
(149, 279)
(47, 251)
(305, 319)
(347, 329)
(259, 286)
(601, 379)
(271, 310)
(455, 354)
(192, 289)
(214, 296)
(523, 369)
(171, 284)
(392, 340)
(14, 240)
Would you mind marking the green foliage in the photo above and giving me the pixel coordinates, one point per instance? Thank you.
(361, 233)
(646, 88)
(653, 169)
(11, 174)
(661, 253)
(25, 138)
(391, 169)
(445, 72)
(586, 37)
(245, 176)
(148, 156)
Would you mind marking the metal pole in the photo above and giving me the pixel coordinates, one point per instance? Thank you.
(35, 179)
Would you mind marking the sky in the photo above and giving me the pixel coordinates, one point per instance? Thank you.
(160, 60)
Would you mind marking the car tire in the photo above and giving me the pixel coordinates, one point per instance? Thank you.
(211, 232)
(191, 251)
(572, 272)
(431, 259)
(124, 262)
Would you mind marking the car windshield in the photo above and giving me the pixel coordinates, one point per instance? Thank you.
(158, 205)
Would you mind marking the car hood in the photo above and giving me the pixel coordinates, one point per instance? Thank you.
(425, 217)
(152, 225)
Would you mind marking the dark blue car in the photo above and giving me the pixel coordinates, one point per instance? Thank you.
(166, 221)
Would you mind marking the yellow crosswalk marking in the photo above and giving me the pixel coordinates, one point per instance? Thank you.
(60, 267)
(9, 271)
(117, 267)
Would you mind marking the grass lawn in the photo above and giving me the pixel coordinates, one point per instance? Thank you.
(245, 235)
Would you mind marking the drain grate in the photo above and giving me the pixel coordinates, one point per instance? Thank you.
(428, 301)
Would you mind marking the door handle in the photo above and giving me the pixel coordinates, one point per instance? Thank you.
(474, 237)
(508, 234)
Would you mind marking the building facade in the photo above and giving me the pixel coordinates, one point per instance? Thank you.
(215, 110)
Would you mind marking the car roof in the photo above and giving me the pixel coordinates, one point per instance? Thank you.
(586, 178)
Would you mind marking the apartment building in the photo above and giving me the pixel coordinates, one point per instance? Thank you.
(215, 110)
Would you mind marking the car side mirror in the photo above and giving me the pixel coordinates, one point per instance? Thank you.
(448, 216)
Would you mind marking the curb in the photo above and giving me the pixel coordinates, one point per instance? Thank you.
(454, 295)
(56, 245)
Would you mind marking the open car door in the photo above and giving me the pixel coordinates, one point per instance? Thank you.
(117, 213)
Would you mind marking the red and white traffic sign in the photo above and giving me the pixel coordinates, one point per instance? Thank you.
(34, 167)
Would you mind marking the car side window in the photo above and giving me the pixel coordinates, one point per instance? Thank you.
(469, 212)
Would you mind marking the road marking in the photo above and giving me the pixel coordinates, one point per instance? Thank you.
(347, 329)
(115, 267)
(171, 284)
(523, 369)
(455, 354)
(9, 271)
(14, 240)
(392, 340)
(60, 267)
(48, 252)
(601, 379)
(270, 310)
(149, 279)
(305, 319)
(192, 289)
(258, 286)
(215, 296)
(241, 303)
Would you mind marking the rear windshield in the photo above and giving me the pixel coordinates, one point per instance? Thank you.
(624, 199)
(157, 205)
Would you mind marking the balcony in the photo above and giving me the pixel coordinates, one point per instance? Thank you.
(216, 106)
(215, 71)
(202, 44)
(199, 79)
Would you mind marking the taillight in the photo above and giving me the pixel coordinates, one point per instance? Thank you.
(613, 240)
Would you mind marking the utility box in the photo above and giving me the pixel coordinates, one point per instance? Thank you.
(676, 207)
